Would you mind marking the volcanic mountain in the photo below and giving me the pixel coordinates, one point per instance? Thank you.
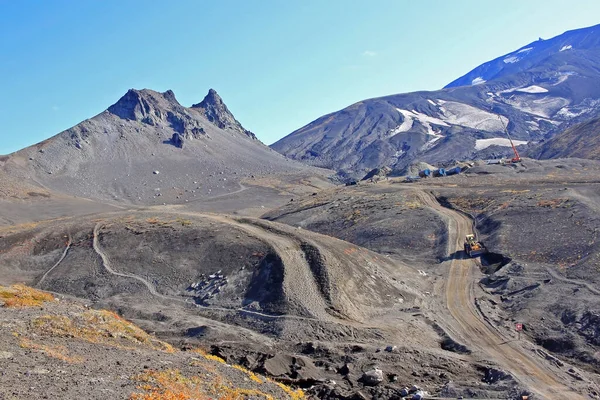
(535, 91)
(149, 149)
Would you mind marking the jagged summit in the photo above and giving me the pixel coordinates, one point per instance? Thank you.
(155, 108)
(141, 105)
(213, 109)
(149, 149)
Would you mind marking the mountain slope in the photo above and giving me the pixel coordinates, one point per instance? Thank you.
(536, 99)
(581, 141)
(149, 149)
(531, 55)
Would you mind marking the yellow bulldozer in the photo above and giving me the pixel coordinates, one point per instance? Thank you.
(473, 247)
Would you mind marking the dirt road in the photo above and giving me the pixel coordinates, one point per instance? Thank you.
(286, 248)
(525, 366)
(62, 257)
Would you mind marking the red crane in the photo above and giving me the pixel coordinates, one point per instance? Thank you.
(516, 158)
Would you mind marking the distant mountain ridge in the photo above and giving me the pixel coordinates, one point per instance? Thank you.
(530, 55)
(538, 90)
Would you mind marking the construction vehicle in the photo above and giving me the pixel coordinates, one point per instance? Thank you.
(517, 157)
(473, 247)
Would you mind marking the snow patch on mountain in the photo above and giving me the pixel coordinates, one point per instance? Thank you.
(533, 125)
(481, 144)
(432, 102)
(431, 142)
(565, 112)
(511, 60)
(456, 113)
(544, 107)
(563, 76)
(534, 89)
(525, 50)
(478, 81)
(567, 47)
(551, 121)
(452, 113)
(423, 119)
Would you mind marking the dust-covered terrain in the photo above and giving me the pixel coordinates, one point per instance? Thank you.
(54, 347)
(304, 308)
(539, 221)
(345, 292)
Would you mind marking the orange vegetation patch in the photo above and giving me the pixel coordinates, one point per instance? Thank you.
(58, 352)
(98, 326)
(552, 203)
(296, 394)
(171, 384)
(23, 296)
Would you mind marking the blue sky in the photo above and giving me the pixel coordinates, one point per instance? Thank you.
(277, 64)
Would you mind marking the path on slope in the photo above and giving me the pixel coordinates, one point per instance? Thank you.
(298, 282)
(525, 367)
(62, 257)
(291, 255)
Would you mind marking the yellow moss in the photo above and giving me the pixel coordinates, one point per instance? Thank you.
(23, 296)
(513, 191)
(58, 352)
(214, 358)
(294, 394)
(253, 377)
(184, 222)
(98, 326)
(413, 205)
(172, 385)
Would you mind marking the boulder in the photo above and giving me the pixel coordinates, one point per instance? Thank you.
(372, 377)
(177, 139)
(419, 395)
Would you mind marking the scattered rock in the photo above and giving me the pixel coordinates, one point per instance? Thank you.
(177, 139)
(419, 395)
(373, 377)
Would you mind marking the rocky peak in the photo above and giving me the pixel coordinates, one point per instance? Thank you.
(144, 105)
(212, 98)
(159, 109)
(214, 110)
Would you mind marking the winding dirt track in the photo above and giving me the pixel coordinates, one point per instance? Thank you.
(298, 282)
(525, 366)
(62, 257)
(285, 247)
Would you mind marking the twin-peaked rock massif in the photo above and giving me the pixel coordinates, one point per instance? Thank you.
(149, 149)
(538, 90)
